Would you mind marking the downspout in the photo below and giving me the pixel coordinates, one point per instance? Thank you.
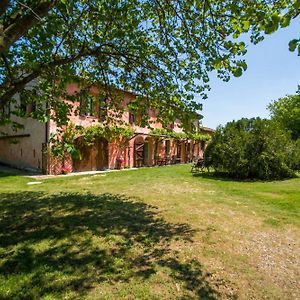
(47, 132)
(46, 155)
(47, 128)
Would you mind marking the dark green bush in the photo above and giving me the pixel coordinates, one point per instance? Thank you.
(253, 148)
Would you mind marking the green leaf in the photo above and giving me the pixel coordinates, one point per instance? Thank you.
(238, 72)
(217, 64)
(227, 45)
(243, 64)
(242, 46)
(276, 18)
(271, 27)
(285, 21)
(293, 45)
(236, 35)
(246, 25)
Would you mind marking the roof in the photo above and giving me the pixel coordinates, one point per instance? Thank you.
(207, 129)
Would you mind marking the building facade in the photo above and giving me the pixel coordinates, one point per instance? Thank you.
(30, 146)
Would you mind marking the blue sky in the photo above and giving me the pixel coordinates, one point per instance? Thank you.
(273, 72)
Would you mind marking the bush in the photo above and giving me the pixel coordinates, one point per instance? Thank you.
(253, 148)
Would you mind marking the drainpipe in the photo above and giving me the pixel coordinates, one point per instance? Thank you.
(47, 132)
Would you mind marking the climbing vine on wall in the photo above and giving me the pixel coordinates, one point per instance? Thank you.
(196, 136)
(63, 141)
(107, 132)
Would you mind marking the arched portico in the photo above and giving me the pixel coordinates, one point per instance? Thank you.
(139, 148)
(143, 151)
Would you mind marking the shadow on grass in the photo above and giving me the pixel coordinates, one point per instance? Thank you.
(8, 171)
(3, 174)
(64, 245)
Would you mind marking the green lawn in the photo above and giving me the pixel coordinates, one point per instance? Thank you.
(157, 233)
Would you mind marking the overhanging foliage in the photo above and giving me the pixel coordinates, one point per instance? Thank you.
(162, 50)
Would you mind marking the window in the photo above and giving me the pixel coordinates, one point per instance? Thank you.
(171, 126)
(23, 103)
(28, 102)
(90, 107)
(5, 111)
(198, 125)
(102, 110)
(167, 147)
(178, 146)
(87, 106)
(131, 118)
(32, 107)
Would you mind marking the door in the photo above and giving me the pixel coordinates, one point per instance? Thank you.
(139, 154)
(102, 154)
(178, 151)
(86, 161)
(146, 154)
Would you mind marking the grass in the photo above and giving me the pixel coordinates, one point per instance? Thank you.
(158, 233)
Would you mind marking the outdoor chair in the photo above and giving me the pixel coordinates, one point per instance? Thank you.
(161, 161)
(198, 166)
(168, 159)
(175, 160)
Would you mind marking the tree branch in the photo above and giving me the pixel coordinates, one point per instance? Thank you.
(21, 25)
(7, 66)
(11, 88)
(3, 6)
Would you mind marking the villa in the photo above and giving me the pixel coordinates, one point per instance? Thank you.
(29, 146)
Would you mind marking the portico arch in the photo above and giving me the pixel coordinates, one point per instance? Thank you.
(139, 151)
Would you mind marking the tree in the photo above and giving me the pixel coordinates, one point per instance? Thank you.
(253, 148)
(286, 111)
(162, 50)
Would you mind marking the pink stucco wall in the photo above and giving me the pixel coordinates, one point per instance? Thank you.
(91, 120)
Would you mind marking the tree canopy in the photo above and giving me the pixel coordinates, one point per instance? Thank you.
(286, 111)
(162, 50)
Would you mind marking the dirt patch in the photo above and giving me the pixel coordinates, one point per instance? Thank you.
(277, 256)
(270, 195)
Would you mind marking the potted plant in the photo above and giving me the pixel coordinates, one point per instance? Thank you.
(119, 162)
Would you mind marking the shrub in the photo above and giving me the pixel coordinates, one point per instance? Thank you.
(253, 148)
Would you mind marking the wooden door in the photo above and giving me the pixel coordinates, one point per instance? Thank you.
(102, 154)
(146, 154)
(85, 163)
